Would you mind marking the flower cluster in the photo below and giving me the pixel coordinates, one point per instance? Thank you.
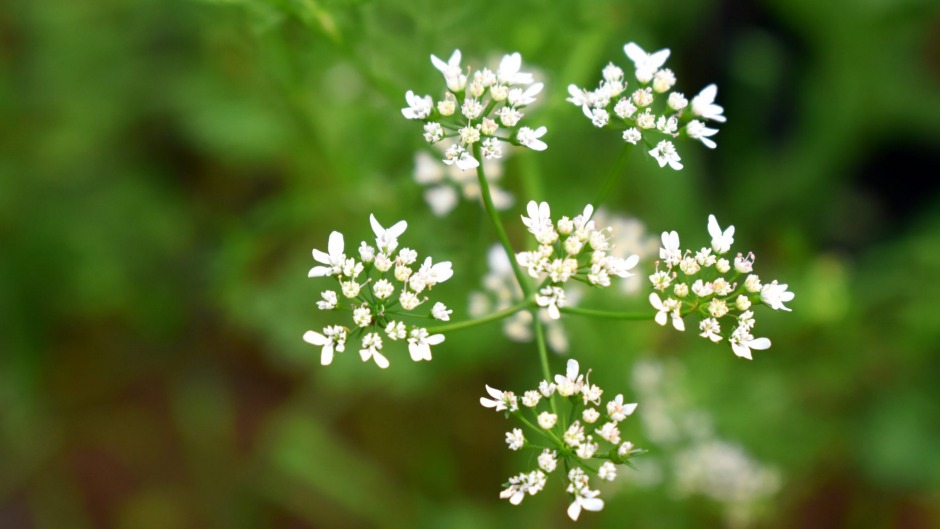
(652, 112)
(584, 437)
(707, 284)
(569, 249)
(480, 110)
(379, 288)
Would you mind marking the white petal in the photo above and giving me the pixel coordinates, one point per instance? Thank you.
(741, 351)
(397, 229)
(434, 339)
(380, 360)
(336, 246)
(657, 304)
(759, 343)
(592, 504)
(572, 369)
(376, 227)
(678, 323)
(574, 510)
(628, 409)
(315, 338)
(634, 52)
(326, 355)
(320, 271)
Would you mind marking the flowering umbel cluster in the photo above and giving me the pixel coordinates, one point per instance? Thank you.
(569, 249)
(379, 289)
(481, 109)
(649, 112)
(721, 292)
(583, 436)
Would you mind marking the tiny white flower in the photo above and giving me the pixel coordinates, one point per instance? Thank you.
(433, 132)
(453, 75)
(530, 399)
(441, 312)
(552, 298)
(632, 135)
(609, 432)
(625, 449)
(587, 449)
(546, 388)
(521, 98)
(624, 108)
(598, 116)
(663, 80)
(419, 344)
(409, 300)
(395, 330)
(742, 303)
(619, 411)
(501, 401)
(698, 131)
(646, 120)
(752, 283)
(703, 105)
(646, 64)
(775, 295)
(574, 435)
(333, 260)
(515, 439)
(418, 107)
(362, 316)
(677, 101)
(742, 343)
(548, 460)
(710, 329)
(590, 415)
(447, 106)
(665, 153)
(332, 339)
(366, 252)
(350, 288)
(721, 240)
(387, 239)
(508, 71)
(667, 308)
(570, 383)
(608, 471)
(509, 116)
(670, 251)
(547, 420)
(530, 138)
(371, 344)
(586, 499)
(329, 300)
(643, 97)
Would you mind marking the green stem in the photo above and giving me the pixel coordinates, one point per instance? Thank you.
(612, 176)
(543, 353)
(636, 316)
(480, 321)
(498, 225)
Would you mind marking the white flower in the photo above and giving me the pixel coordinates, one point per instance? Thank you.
(419, 344)
(552, 298)
(571, 382)
(455, 78)
(721, 240)
(632, 135)
(677, 101)
(590, 415)
(646, 63)
(703, 105)
(670, 251)
(508, 71)
(440, 312)
(665, 153)
(775, 295)
(669, 307)
(624, 108)
(329, 300)
(548, 460)
(547, 420)
(332, 339)
(502, 400)
(609, 432)
(574, 435)
(395, 330)
(598, 116)
(530, 138)
(619, 411)
(433, 132)
(521, 98)
(698, 131)
(663, 80)
(333, 260)
(418, 107)
(711, 329)
(362, 315)
(742, 343)
(515, 439)
(625, 449)
(371, 344)
(435, 273)
(608, 471)
(387, 239)
(586, 499)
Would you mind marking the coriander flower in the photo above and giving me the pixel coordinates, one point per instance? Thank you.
(332, 339)
(418, 107)
(419, 344)
(502, 400)
(775, 295)
(665, 153)
(333, 260)
(721, 240)
(530, 138)
(646, 63)
(703, 105)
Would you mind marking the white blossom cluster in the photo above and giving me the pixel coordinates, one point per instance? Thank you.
(480, 107)
(569, 249)
(381, 287)
(650, 112)
(720, 291)
(585, 436)
(446, 184)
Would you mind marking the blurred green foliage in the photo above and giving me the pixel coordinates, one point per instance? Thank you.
(166, 167)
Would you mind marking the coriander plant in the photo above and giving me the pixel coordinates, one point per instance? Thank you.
(571, 425)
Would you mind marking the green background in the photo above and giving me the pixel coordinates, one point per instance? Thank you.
(166, 168)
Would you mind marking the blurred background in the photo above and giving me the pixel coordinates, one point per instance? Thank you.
(166, 168)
